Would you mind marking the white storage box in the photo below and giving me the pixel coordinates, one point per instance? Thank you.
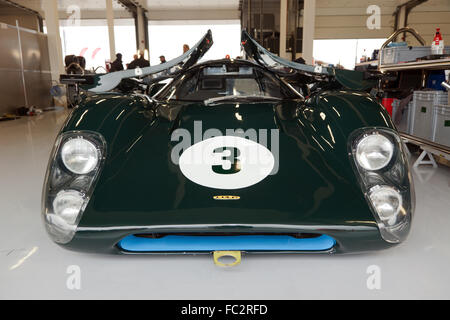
(422, 112)
(441, 128)
(393, 55)
(402, 123)
(410, 118)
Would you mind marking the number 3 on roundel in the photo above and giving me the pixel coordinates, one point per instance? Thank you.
(227, 163)
(230, 163)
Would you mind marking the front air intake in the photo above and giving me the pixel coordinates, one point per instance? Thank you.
(210, 243)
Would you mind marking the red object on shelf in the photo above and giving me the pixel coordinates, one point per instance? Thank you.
(387, 104)
(437, 47)
(438, 36)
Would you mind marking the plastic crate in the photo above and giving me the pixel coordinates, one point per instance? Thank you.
(421, 116)
(410, 118)
(393, 55)
(441, 128)
(402, 121)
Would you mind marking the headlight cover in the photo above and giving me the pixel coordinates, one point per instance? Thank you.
(67, 205)
(79, 155)
(74, 166)
(374, 151)
(385, 179)
(388, 203)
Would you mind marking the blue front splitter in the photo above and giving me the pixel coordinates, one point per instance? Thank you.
(173, 243)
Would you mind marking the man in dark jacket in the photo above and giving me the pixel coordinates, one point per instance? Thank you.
(117, 64)
(135, 58)
(139, 63)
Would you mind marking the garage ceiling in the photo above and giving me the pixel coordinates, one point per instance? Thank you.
(87, 5)
(157, 4)
(192, 4)
(7, 8)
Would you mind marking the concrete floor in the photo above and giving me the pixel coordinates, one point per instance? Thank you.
(31, 266)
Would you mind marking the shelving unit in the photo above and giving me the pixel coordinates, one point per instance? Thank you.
(422, 65)
(428, 148)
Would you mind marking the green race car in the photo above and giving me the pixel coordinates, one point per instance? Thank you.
(228, 156)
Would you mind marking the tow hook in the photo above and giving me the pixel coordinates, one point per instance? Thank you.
(220, 254)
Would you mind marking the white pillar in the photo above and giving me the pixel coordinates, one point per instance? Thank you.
(50, 8)
(283, 28)
(309, 20)
(401, 17)
(402, 13)
(110, 20)
(141, 28)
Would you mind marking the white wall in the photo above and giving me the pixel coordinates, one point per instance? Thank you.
(345, 52)
(90, 38)
(346, 19)
(167, 38)
(430, 15)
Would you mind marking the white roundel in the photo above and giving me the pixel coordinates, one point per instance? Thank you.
(227, 162)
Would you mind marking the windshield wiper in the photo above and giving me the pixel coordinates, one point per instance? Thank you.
(211, 101)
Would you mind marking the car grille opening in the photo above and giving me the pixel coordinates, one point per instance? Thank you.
(228, 234)
(209, 242)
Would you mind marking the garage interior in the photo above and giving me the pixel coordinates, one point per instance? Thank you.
(37, 36)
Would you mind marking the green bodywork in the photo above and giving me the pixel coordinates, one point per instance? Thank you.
(315, 190)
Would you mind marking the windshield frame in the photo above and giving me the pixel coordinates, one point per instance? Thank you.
(288, 92)
(218, 100)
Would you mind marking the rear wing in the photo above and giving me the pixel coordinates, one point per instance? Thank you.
(105, 82)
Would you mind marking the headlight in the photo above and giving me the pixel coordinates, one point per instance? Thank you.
(374, 152)
(67, 205)
(387, 202)
(79, 155)
(74, 167)
(389, 192)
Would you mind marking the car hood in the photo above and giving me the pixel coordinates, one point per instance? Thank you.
(314, 184)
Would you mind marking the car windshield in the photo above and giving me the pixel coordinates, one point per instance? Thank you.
(223, 82)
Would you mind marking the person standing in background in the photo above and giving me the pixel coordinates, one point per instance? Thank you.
(300, 60)
(162, 59)
(132, 64)
(185, 48)
(139, 63)
(117, 64)
(142, 62)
